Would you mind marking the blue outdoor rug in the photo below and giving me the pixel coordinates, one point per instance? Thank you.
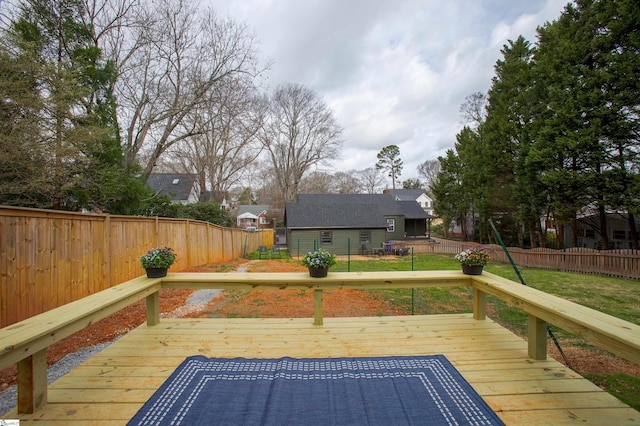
(423, 390)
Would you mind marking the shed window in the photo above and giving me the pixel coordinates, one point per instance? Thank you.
(589, 233)
(365, 237)
(326, 237)
(391, 225)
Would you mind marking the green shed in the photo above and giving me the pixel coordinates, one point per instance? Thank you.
(344, 223)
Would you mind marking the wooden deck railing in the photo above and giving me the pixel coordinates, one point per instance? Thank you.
(25, 343)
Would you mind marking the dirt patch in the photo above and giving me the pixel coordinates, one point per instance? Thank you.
(278, 303)
(298, 304)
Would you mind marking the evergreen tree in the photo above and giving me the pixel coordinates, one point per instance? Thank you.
(587, 141)
(75, 133)
(389, 161)
(23, 158)
(412, 184)
(453, 204)
(512, 191)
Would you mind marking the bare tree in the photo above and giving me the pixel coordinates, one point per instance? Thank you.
(371, 181)
(320, 182)
(347, 182)
(226, 143)
(261, 177)
(300, 132)
(474, 110)
(429, 172)
(109, 20)
(317, 182)
(181, 54)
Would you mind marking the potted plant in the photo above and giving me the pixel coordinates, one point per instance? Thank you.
(157, 260)
(318, 262)
(473, 260)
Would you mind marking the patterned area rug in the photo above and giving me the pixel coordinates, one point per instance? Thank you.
(329, 391)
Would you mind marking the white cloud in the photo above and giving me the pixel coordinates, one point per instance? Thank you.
(393, 72)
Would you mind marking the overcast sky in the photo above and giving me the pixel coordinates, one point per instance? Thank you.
(394, 72)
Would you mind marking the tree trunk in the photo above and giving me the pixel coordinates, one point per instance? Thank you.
(633, 231)
(603, 227)
(532, 234)
(543, 231)
(463, 227)
(560, 234)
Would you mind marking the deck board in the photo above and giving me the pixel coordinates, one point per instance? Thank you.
(110, 387)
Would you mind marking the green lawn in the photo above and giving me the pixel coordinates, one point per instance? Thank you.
(615, 296)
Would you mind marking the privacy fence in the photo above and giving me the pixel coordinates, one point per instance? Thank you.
(616, 263)
(50, 258)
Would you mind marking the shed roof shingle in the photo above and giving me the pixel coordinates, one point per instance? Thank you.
(334, 215)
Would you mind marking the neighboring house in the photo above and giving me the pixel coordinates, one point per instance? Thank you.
(253, 216)
(342, 223)
(180, 187)
(417, 195)
(588, 231)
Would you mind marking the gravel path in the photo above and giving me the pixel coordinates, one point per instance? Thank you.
(198, 301)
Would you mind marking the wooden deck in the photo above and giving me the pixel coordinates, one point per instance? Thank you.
(110, 387)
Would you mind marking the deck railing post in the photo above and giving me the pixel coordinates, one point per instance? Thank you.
(537, 338)
(32, 382)
(479, 304)
(317, 307)
(153, 309)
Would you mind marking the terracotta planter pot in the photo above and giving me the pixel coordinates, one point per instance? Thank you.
(318, 272)
(472, 269)
(156, 272)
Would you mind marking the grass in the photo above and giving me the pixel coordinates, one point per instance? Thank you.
(623, 386)
(614, 296)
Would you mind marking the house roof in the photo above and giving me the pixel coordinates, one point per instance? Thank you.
(254, 209)
(412, 210)
(247, 215)
(178, 186)
(333, 215)
(405, 194)
(387, 205)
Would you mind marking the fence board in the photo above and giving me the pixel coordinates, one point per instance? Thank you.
(50, 258)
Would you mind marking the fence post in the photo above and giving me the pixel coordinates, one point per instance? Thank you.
(107, 250)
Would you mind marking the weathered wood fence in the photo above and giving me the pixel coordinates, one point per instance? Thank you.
(49, 258)
(615, 263)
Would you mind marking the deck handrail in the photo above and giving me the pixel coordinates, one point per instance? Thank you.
(25, 343)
